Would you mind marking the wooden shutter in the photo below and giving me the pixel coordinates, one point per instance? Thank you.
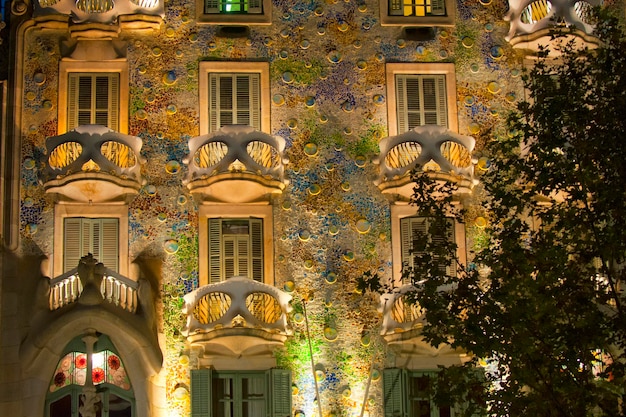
(394, 393)
(442, 98)
(401, 104)
(213, 102)
(72, 101)
(256, 240)
(444, 236)
(200, 393)
(114, 101)
(255, 6)
(215, 250)
(280, 395)
(109, 249)
(395, 7)
(438, 7)
(411, 228)
(211, 6)
(71, 243)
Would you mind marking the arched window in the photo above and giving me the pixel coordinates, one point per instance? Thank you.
(90, 380)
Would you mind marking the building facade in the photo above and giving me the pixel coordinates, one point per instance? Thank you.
(191, 189)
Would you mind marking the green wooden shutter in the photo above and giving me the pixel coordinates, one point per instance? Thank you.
(280, 395)
(401, 104)
(438, 7)
(255, 6)
(256, 240)
(394, 391)
(411, 228)
(442, 237)
(71, 243)
(215, 250)
(200, 393)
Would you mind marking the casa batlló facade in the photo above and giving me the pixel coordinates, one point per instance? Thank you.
(190, 190)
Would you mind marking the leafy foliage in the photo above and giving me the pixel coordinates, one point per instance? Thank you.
(542, 312)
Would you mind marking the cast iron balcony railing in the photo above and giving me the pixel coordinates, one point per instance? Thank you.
(236, 164)
(93, 164)
(434, 149)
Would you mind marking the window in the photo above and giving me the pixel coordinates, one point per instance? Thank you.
(247, 12)
(234, 93)
(406, 227)
(234, 100)
(99, 237)
(235, 240)
(417, 12)
(67, 394)
(99, 229)
(421, 94)
(410, 393)
(93, 93)
(415, 228)
(93, 99)
(240, 393)
(235, 249)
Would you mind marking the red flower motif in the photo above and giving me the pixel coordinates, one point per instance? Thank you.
(97, 375)
(59, 379)
(81, 361)
(114, 362)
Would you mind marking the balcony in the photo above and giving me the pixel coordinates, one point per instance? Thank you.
(237, 317)
(93, 164)
(401, 329)
(101, 19)
(533, 22)
(443, 154)
(114, 288)
(236, 164)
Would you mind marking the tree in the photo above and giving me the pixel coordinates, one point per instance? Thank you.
(542, 303)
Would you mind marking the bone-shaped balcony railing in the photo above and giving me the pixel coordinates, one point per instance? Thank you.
(399, 312)
(430, 148)
(534, 18)
(99, 11)
(238, 302)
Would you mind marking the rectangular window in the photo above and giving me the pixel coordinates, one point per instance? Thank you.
(421, 100)
(414, 229)
(421, 94)
(424, 13)
(233, 6)
(240, 393)
(93, 99)
(99, 237)
(420, 8)
(411, 393)
(235, 249)
(234, 99)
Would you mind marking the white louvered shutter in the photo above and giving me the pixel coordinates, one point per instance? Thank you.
(411, 228)
(93, 99)
(421, 100)
(100, 237)
(213, 102)
(71, 243)
(109, 249)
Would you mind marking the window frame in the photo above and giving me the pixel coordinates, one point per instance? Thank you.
(262, 212)
(399, 212)
(445, 20)
(401, 396)
(222, 67)
(277, 390)
(421, 69)
(93, 211)
(93, 67)
(262, 18)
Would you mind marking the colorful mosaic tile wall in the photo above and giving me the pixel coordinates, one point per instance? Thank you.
(328, 93)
